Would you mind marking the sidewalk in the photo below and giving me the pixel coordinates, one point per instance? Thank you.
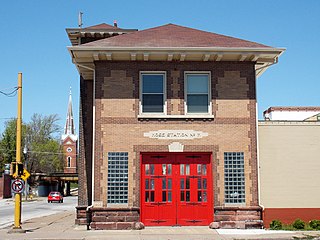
(61, 226)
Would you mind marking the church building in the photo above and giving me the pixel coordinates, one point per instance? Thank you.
(168, 127)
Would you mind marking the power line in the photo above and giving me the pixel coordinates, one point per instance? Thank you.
(10, 94)
(48, 153)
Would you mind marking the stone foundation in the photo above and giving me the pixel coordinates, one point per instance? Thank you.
(237, 217)
(81, 217)
(115, 218)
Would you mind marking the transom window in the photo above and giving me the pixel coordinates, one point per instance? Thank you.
(152, 96)
(117, 177)
(197, 92)
(234, 177)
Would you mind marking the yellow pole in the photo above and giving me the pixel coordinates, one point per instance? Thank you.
(17, 209)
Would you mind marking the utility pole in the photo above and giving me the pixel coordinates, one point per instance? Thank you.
(17, 209)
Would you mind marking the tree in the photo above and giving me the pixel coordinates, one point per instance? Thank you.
(45, 152)
(8, 142)
(41, 136)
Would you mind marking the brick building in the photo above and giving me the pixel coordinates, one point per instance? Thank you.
(168, 127)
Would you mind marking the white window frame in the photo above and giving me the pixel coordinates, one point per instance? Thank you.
(186, 73)
(164, 73)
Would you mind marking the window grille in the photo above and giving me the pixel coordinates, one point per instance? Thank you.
(117, 177)
(234, 177)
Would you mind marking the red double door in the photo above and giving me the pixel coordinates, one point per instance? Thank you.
(176, 189)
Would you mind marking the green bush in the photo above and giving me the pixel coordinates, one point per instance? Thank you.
(315, 224)
(276, 225)
(298, 224)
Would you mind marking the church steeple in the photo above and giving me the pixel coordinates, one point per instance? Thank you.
(69, 128)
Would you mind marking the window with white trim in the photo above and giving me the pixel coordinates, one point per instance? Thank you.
(197, 92)
(234, 181)
(152, 92)
(117, 178)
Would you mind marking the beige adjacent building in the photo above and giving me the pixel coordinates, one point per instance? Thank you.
(289, 167)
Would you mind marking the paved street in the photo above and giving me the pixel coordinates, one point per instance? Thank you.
(30, 209)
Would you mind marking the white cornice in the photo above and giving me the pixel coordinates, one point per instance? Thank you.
(85, 56)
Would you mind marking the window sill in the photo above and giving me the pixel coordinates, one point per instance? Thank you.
(189, 116)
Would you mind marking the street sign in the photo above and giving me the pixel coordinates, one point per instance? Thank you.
(25, 175)
(17, 186)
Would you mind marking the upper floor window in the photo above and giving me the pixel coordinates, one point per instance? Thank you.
(197, 92)
(152, 93)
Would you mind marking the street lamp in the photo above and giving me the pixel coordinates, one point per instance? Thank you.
(25, 153)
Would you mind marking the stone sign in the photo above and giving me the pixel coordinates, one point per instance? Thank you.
(175, 134)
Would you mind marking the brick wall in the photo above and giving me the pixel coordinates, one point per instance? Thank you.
(85, 142)
(118, 128)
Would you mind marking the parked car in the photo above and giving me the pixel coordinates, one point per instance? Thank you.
(55, 197)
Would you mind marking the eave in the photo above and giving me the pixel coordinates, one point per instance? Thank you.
(85, 56)
(75, 34)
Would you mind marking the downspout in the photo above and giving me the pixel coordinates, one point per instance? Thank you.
(88, 209)
(257, 141)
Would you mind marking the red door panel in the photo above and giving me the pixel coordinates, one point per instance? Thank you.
(176, 189)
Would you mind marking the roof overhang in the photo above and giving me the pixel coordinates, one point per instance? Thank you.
(75, 34)
(85, 56)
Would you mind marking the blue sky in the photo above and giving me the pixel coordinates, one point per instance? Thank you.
(33, 41)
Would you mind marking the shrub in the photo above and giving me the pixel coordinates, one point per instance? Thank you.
(276, 225)
(315, 224)
(298, 224)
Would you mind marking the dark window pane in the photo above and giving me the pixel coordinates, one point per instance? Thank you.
(204, 183)
(164, 183)
(152, 83)
(147, 196)
(169, 196)
(164, 196)
(204, 196)
(187, 183)
(181, 183)
(152, 196)
(187, 196)
(204, 170)
(151, 169)
(199, 196)
(169, 183)
(182, 196)
(197, 103)
(199, 183)
(152, 103)
(147, 183)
